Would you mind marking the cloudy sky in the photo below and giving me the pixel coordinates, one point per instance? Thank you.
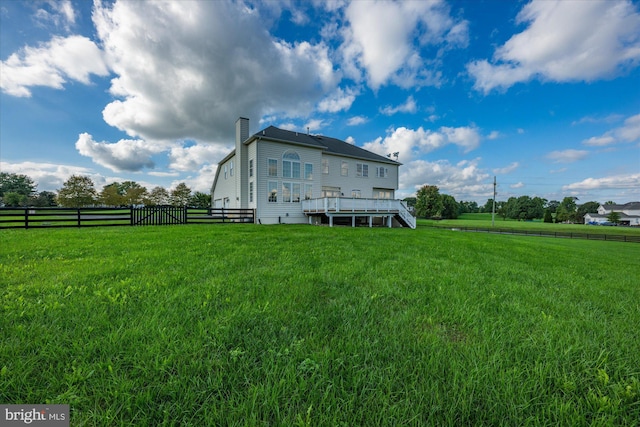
(544, 95)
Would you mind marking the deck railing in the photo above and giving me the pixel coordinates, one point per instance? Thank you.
(345, 205)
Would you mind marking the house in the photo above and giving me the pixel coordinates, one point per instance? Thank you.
(629, 214)
(297, 177)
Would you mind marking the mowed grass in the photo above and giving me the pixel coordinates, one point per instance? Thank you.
(240, 324)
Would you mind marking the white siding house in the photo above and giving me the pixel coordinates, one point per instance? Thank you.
(629, 214)
(295, 177)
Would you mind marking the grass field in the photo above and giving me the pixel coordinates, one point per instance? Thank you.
(242, 324)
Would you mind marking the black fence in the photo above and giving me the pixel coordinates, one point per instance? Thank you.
(547, 233)
(103, 217)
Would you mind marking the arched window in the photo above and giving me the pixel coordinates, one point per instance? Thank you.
(290, 164)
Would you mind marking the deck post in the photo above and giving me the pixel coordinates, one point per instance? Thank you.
(390, 221)
(353, 221)
(370, 221)
(330, 220)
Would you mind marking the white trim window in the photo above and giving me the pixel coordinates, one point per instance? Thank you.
(308, 191)
(272, 191)
(331, 191)
(344, 169)
(291, 192)
(272, 167)
(382, 172)
(286, 192)
(226, 171)
(325, 166)
(308, 171)
(362, 170)
(290, 165)
(356, 194)
(231, 168)
(250, 167)
(251, 192)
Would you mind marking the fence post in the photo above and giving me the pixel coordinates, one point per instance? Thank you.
(26, 218)
(78, 217)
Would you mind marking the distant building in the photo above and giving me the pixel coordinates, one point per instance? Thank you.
(296, 177)
(629, 214)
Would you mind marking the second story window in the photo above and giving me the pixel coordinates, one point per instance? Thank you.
(251, 167)
(290, 165)
(362, 170)
(344, 170)
(325, 166)
(272, 167)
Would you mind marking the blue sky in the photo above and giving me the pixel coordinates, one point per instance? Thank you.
(544, 95)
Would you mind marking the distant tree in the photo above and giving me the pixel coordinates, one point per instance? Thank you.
(18, 184)
(200, 200)
(566, 212)
(181, 195)
(609, 203)
(44, 199)
(76, 192)
(428, 202)
(111, 195)
(133, 193)
(488, 207)
(585, 208)
(553, 206)
(410, 201)
(450, 207)
(614, 217)
(548, 217)
(468, 207)
(13, 199)
(157, 196)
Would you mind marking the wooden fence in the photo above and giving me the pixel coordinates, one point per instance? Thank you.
(91, 217)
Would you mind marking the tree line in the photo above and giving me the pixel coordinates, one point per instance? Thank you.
(430, 203)
(17, 190)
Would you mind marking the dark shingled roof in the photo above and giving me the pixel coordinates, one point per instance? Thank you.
(330, 145)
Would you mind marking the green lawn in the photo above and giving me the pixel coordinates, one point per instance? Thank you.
(243, 324)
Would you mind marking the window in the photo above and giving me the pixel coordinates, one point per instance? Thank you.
(344, 170)
(331, 192)
(362, 170)
(251, 167)
(295, 196)
(308, 191)
(273, 191)
(356, 194)
(251, 192)
(272, 167)
(290, 165)
(325, 166)
(382, 172)
(308, 171)
(231, 169)
(226, 171)
(286, 192)
(382, 193)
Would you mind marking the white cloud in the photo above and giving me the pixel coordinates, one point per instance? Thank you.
(48, 176)
(199, 65)
(517, 185)
(567, 156)
(340, 100)
(124, 155)
(350, 140)
(564, 41)
(314, 124)
(59, 13)
(493, 135)
(464, 180)
(191, 158)
(409, 106)
(357, 120)
(610, 182)
(628, 132)
(507, 169)
(380, 41)
(51, 65)
(412, 143)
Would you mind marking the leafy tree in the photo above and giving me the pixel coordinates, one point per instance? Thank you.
(547, 216)
(16, 183)
(78, 191)
(111, 196)
(410, 201)
(133, 193)
(488, 207)
(614, 217)
(609, 203)
(181, 195)
(553, 206)
(566, 212)
(428, 202)
(200, 200)
(157, 196)
(585, 208)
(13, 199)
(470, 207)
(450, 207)
(44, 199)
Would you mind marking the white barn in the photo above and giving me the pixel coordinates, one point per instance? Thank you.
(296, 177)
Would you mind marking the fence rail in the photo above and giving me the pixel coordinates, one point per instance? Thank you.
(547, 233)
(91, 217)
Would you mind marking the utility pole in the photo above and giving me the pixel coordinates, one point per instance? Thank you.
(493, 210)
